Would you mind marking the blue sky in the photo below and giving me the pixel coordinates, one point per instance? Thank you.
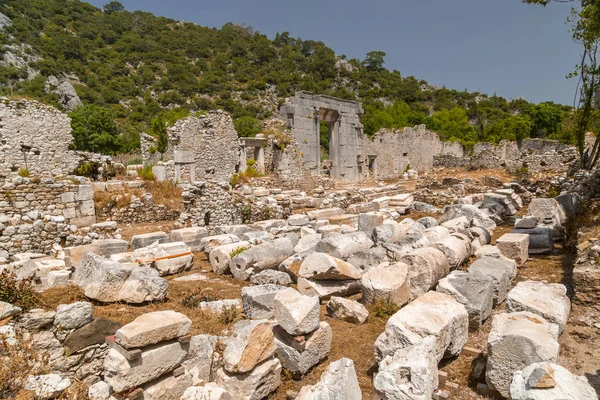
(493, 46)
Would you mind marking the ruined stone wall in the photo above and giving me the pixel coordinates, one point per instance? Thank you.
(72, 201)
(35, 137)
(140, 209)
(148, 145)
(209, 144)
(414, 148)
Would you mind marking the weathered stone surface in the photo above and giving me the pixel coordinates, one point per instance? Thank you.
(367, 222)
(342, 246)
(387, 282)
(426, 266)
(219, 306)
(200, 358)
(210, 391)
(267, 255)
(8, 310)
(151, 328)
(325, 289)
(146, 239)
(255, 385)
(269, 224)
(436, 233)
(220, 256)
(321, 266)
(298, 220)
(308, 243)
(404, 245)
(259, 301)
(516, 341)
(457, 224)
(545, 380)
(209, 242)
(270, 276)
(47, 386)
(256, 237)
(456, 250)
(514, 246)
(156, 360)
(432, 314)
(540, 239)
(548, 211)
(190, 236)
(325, 214)
(474, 290)
(167, 387)
(528, 222)
(236, 230)
(251, 343)
(316, 346)
(296, 313)
(500, 272)
(91, 334)
(36, 319)
(166, 258)
(391, 230)
(347, 310)
(99, 391)
(410, 373)
(108, 247)
(365, 259)
(474, 215)
(570, 202)
(338, 382)
(547, 300)
(73, 316)
(108, 281)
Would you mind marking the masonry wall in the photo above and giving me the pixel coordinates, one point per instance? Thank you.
(74, 202)
(35, 137)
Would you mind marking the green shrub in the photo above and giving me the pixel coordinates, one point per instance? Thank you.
(250, 162)
(237, 251)
(385, 308)
(24, 173)
(146, 173)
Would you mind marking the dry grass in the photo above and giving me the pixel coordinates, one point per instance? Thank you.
(17, 362)
(166, 193)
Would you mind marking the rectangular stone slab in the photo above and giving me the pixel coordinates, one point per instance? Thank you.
(153, 328)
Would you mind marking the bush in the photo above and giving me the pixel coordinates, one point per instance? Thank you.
(146, 173)
(18, 293)
(24, 173)
(244, 177)
(18, 361)
(385, 308)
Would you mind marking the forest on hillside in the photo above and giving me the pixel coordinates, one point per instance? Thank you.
(135, 72)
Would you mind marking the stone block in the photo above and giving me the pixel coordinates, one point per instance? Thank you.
(324, 214)
(90, 334)
(547, 300)
(73, 316)
(321, 266)
(326, 289)
(199, 363)
(209, 242)
(108, 247)
(426, 266)
(250, 343)
(365, 259)
(347, 310)
(267, 255)
(541, 240)
(315, 347)
(514, 246)
(146, 239)
(258, 301)
(270, 276)
(345, 219)
(474, 290)
(190, 236)
(58, 278)
(456, 250)
(344, 245)
(151, 328)
(254, 385)
(500, 271)
(296, 314)
(220, 256)
(236, 230)
(387, 282)
(339, 381)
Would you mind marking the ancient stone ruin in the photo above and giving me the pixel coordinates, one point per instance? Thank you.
(438, 284)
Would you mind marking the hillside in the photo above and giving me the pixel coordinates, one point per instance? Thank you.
(143, 71)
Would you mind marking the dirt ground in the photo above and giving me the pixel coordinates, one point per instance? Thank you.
(580, 342)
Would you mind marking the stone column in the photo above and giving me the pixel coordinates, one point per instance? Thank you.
(334, 148)
(243, 165)
(259, 154)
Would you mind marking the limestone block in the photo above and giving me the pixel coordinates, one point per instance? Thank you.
(367, 222)
(267, 255)
(571, 202)
(308, 243)
(220, 256)
(209, 242)
(91, 334)
(474, 215)
(58, 278)
(527, 222)
(36, 319)
(366, 259)
(73, 255)
(190, 236)
(167, 387)
(8, 310)
(99, 391)
(108, 247)
(410, 373)
(151, 328)
(73, 316)
(436, 233)
(255, 385)
(456, 250)
(251, 343)
(298, 220)
(547, 300)
(321, 266)
(107, 281)
(146, 239)
(426, 266)
(500, 271)
(514, 246)
(428, 222)
(296, 314)
(236, 230)
(344, 245)
(210, 391)
(540, 239)
(219, 306)
(388, 282)
(474, 290)
(256, 237)
(457, 224)
(432, 314)
(545, 380)
(200, 358)
(299, 359)
(324, 214)
(347, 310)
(391, 230)
(47, 386)
(325, 289)
(345, 219)
(270, 276)
(548, 211)
(516, 341)
(156, 360)
(338, 382)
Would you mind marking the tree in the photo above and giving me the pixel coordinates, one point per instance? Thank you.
(113, 7)
(374, 60)
(246, 126)
(94, 129)
(158, 128)
(546, 120)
